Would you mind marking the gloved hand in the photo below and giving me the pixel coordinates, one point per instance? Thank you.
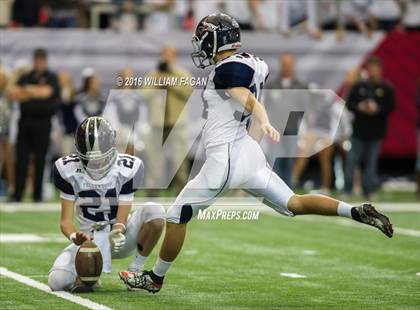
(117, 239)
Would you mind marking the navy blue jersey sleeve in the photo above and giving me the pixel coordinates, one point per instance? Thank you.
(132, 185)
(61, 183)
(233, 74)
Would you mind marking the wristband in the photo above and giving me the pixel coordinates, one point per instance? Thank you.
(72, 236)
(121, 224)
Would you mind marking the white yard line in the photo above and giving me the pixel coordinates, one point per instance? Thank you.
(350, 223)
(292, 275)
(31, 238)
(43, 287)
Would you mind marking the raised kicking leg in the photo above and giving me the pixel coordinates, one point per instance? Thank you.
(281, 198)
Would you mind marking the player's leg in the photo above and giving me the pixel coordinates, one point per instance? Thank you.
(22, 160)
(278, 195)
(198, 194)
(354, 157)
(265, 183)
(40, 150)
(369, 176)
(63, 274)
(144, 228)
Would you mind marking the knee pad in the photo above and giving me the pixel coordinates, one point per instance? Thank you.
(152, 211)
(61, 280)
(179, 214)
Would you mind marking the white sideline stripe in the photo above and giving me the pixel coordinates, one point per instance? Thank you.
(31, 238)
(418, 274)
(43, 287)
(292, 275)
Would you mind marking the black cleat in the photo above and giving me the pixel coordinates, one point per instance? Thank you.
(145, 280)
(367, 214)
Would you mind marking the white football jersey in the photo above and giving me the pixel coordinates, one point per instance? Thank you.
(226, 119)
(97, 200)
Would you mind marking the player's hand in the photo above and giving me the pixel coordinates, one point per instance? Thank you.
(117, 239)
(79, 237)
(269, 130)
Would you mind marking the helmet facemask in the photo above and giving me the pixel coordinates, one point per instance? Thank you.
(215, 33)
(200, 57)
(98, 164)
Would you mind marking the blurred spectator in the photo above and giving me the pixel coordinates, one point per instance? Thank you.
(266, 14)
(317, 136)
(371, 101)
(387, 14)
(342, 141)
(123, 110)
(418, 140)
(63, 13)
(67, 105)
(285, 80)
(203, 8)
(127, 20)
(6, 154)
(242, 12)
(411, 14)
(184, 15)
(26, 13)
(160, 17)
(89, 101)
(357, 13)
(176, 99)
(38, 94)
(294, 12)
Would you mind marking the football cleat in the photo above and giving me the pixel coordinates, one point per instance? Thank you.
(140, 280)
(367, 214)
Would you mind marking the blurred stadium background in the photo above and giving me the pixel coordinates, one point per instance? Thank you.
(325, 44)
(329, 41)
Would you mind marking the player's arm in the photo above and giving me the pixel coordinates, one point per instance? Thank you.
(116, 236)
(28, 92)
(124, 208)
(66, 223)
(125, 201)
(18, 93)
(252, 105)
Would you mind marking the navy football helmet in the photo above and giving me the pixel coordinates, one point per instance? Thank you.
(96, 146)
(214, 33)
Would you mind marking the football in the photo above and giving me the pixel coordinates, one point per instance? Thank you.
(89, 263)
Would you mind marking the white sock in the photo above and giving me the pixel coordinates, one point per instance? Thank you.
(344, 209)
(161, 267)
(138, 263)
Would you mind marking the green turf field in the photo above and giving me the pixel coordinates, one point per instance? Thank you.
(237, 264)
